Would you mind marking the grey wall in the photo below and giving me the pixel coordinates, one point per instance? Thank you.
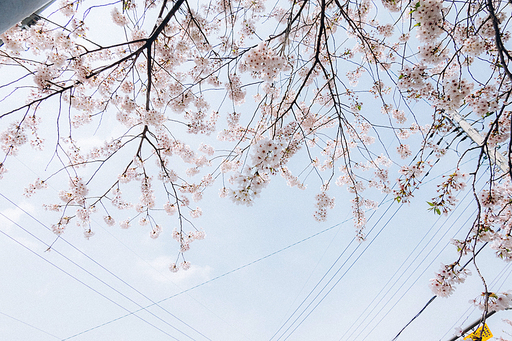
(14, 11)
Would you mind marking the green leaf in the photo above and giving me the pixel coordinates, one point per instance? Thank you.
(415, 8)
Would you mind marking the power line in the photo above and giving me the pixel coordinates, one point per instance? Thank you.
(313, 269)
(336, 283)
(332, 277)
(469, 261)
(30, 325)
(435, 296)
(184, 291)
(318, 283)
(423, 260)
(101, 266)
(211, 280)
(410, 286)
(76, 279)
(330, 268)
(119, 241)
(406, 259)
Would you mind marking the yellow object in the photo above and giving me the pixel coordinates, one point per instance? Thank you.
(486, 334)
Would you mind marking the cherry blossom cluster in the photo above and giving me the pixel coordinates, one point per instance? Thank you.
(323, 202)
(13, 40)
(151, 117)
(445, 201)
(495, 223)
(455, 91)
(474, 46)
(31, 189)
(267, 158)
(185, 265)
(184, 239)
(109, 220)
(249, 186)
(118, 201)
(392, 5)
(234, 89)
(490, 198)
(76, 195)
(264, 63)
(118, 18)
(291, 180)
(83, 215)
(201, 123)
(147, 198)
(45, 75)
(404, 150)
(381, 180)
(483, 101)
(443, 285)
(155, 232)
(413, 78)
(410, 180)
(490, 301)
(13, 138)
(267, 154)
(433, 53)
(359, 217)
(502, 243)
(3, 170)
(234, 131)
(429, 15)
(499, 131)
(59, 228)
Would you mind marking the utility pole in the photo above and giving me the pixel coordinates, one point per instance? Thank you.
(496, 157)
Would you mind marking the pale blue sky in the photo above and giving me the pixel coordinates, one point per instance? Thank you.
(81, 285)
(251, 303)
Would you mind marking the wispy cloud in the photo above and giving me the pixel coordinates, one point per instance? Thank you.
(158, 270)
(14, 215)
